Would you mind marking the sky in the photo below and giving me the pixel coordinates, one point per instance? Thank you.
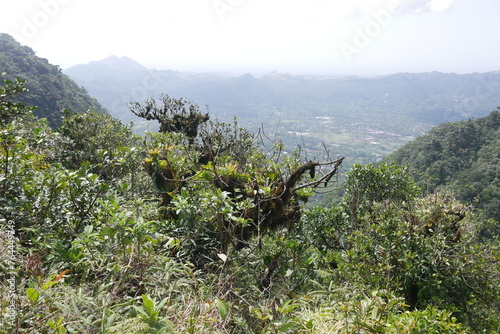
(320, 37)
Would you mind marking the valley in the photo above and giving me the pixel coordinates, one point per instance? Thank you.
(361, 118)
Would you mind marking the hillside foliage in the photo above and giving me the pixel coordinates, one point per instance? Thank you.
(462, 156)
(107, 232)
(48, 88)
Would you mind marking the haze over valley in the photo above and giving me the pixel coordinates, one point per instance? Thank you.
(365, 117)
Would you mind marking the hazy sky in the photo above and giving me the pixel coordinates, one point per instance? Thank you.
(360, 37)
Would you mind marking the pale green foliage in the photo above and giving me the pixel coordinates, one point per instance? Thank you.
(381, 312)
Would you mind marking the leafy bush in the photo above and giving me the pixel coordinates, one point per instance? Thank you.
(427, 251)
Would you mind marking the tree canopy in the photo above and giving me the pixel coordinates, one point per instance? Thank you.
(227, 161)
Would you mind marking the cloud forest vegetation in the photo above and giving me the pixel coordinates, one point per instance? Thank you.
(205, 231)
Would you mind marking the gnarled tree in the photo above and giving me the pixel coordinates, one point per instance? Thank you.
(174, 115)
(247, 191)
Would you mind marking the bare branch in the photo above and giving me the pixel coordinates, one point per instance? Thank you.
(323, 179)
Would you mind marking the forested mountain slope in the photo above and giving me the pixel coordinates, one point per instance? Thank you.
(462, 155)
(49, 89)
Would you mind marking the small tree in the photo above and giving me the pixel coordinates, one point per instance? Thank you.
(174, 115)
(226, 183)
(369, 184)
(99, 139)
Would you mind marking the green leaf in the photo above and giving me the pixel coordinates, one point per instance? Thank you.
(223, 308)
(33, 294)
(309, 324)
(161, 304)
(49, 284)
(287, 307)
(286, 326)
(207, 176)
(88, 229)
(148, 305)
(141, 311)
(51, 323)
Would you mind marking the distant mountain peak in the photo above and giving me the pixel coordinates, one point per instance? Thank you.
(247, 76)
(122, 62)
(246, 80)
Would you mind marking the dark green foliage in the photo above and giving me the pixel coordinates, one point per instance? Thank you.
(48, 88)
(369, 184)
(9, 108)
(425, 249)
(464, 156)
(99, 140)
(327, 230)
(429, 254)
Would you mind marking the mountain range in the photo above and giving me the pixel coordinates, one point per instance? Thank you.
(370, 116)
(361, 118)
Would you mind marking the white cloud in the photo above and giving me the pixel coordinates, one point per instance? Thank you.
(423, 6)
(440, 5)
